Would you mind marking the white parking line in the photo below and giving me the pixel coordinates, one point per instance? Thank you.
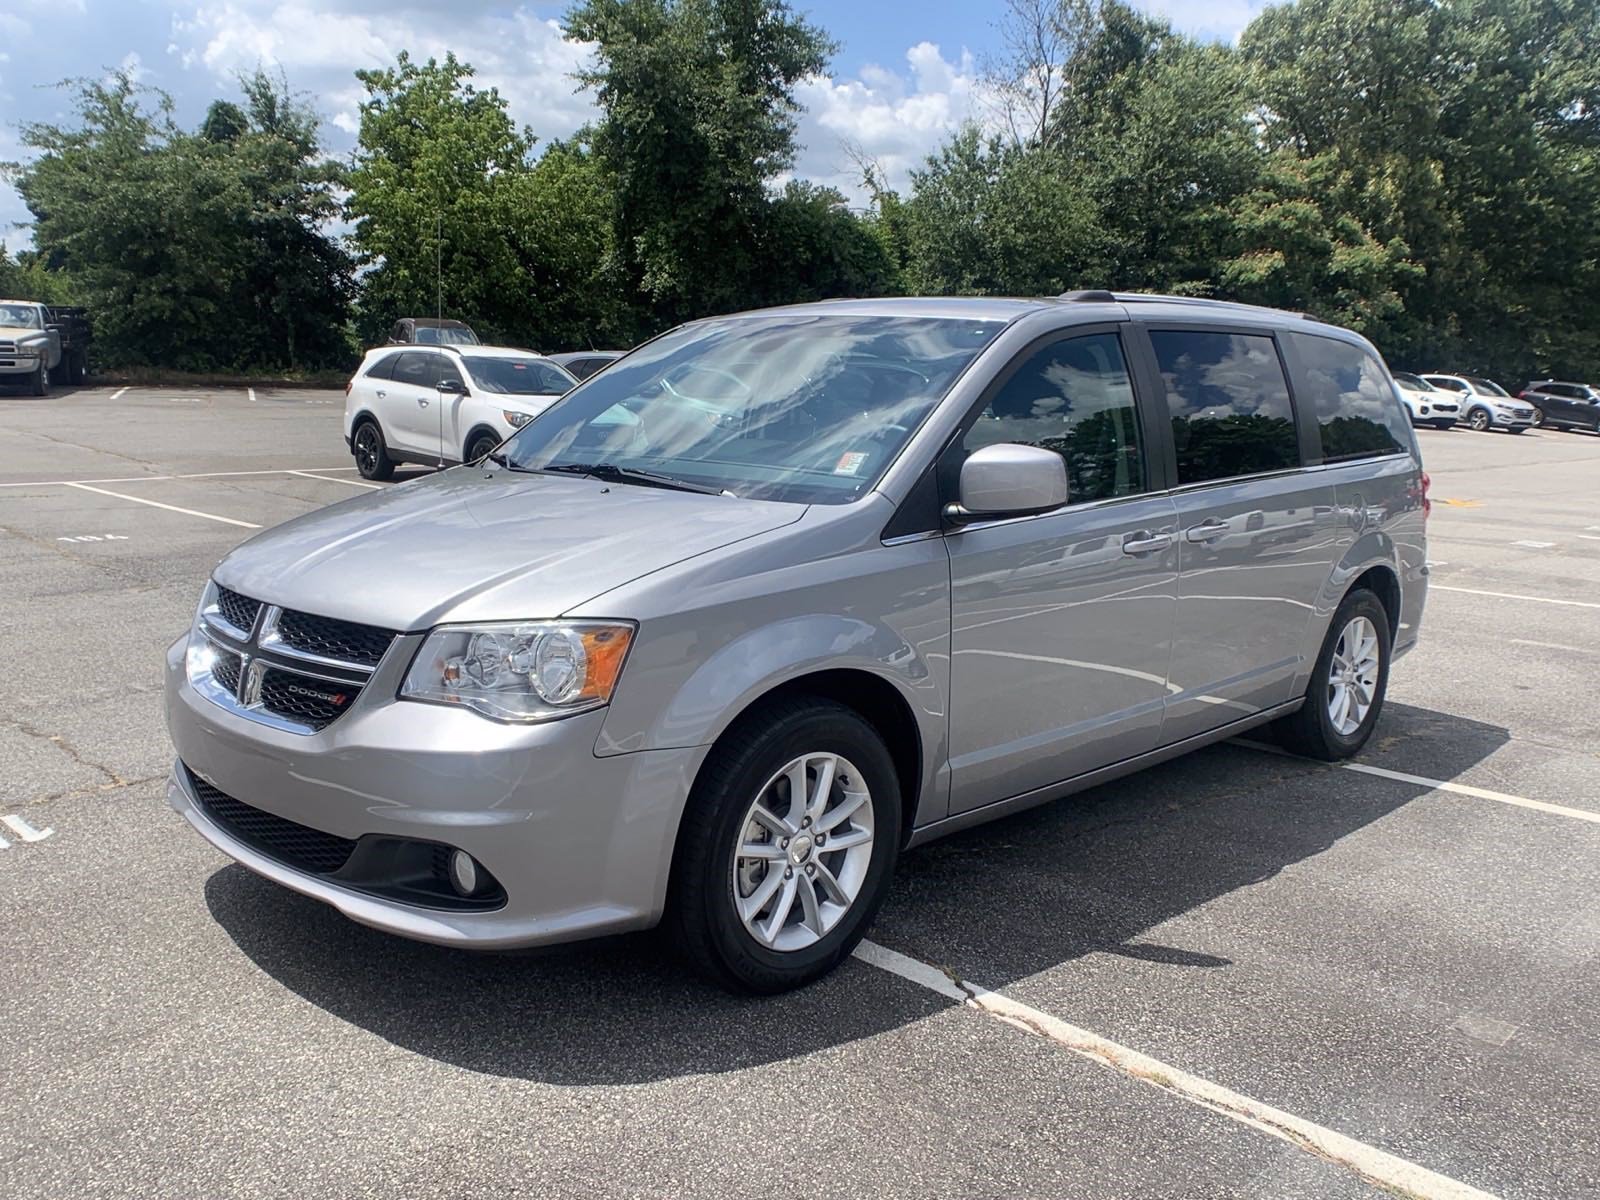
(352, 482)
(1562, 646)
(1367, 1162)
(117, 395)
(1437, 785)
(1462, 789)
(25, 831)
(169, 507)
(147, 478)
(1535, 545)
(1439, 587)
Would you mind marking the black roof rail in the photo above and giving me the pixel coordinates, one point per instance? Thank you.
(1088, 296)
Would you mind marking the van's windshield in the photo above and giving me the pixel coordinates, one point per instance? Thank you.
(793, 407)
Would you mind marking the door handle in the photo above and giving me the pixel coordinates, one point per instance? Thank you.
(381, 395)
(421, 403)
(1145, 542)
(1206, 531)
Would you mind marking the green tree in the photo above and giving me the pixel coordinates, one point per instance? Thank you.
(436, 162)
(193, 251)
(698, 119)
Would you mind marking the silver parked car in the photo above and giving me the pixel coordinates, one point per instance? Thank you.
(717, 636)
(1485, 405)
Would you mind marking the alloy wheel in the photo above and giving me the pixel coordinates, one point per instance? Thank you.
(803, 851)
(1353, 676)
(1479, 420)
(367, 449)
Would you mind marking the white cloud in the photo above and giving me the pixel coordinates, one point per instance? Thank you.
(514, 50)
(896, 119)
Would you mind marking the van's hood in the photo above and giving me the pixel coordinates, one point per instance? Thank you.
(477, 544)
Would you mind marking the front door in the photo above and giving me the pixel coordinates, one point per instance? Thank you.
(1258, 533)
(1061, 623)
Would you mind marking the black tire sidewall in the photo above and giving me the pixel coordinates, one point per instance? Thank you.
(1358, 604)
(479, 446)
(381, 465)
(755, 753)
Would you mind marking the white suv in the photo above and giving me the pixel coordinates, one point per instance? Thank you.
(443, 405)
(1485, 404)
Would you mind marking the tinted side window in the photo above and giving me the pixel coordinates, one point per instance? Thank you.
(1073, 397)
(1357, 412)
(383, 368)
(1229, 404)
(419, 369)
(447, 370)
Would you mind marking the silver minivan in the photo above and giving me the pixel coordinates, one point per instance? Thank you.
(780, 595)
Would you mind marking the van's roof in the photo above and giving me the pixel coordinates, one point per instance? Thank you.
(1091, 304)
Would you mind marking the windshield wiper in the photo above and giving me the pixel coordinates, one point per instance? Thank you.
(611, 473)
(500, 460)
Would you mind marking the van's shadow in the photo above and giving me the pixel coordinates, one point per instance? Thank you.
(1091, 873)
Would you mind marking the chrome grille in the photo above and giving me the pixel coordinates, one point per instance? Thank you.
(312, 702)
(328, 638)
(238, 611)
(295, 671)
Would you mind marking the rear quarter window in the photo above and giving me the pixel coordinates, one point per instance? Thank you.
(1346, 390)
(381, 368)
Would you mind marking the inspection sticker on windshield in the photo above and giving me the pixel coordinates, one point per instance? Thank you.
(850, 462)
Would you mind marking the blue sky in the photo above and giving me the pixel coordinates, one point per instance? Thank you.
(903, 78)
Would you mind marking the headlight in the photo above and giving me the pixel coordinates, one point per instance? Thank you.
(28, 351)
(520, 670)
(515, 419)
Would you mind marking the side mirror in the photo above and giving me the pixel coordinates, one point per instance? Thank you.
(1009, 480)
(453, 387)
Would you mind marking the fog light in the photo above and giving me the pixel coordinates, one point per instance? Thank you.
(463, 872)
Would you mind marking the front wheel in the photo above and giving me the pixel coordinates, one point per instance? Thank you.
(786, 848)
(1538, 418)
(478, 448)
(1479, 419)
(372, 454)
(1348, 684)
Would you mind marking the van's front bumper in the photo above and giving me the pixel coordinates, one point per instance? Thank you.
(581, 845)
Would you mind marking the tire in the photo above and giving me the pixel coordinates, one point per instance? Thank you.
(1312, 730)
(41, 380)
(479, 445)
(371, 451)
(750, 763)
(1538, 417)
(1444, 425)
(1480, 420)
(78, 368)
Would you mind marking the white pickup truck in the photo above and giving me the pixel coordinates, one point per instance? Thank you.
(40, 344)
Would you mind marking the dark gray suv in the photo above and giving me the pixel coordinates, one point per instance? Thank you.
(782, 594)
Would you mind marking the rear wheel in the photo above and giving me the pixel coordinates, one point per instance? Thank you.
(1348, 683)
(786, 848)
(371, 452)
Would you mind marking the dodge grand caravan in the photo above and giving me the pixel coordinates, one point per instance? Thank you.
(782, 594)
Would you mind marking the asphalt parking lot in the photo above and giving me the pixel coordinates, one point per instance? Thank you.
(1238, 974)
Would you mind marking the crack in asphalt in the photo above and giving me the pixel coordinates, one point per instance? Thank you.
(116, 780)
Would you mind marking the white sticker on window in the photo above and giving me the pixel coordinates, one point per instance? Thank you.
(850, 462)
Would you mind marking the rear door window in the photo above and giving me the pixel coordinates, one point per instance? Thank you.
(1074, 397)
(1347, 391)
(417, 368)
(1228, 402)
